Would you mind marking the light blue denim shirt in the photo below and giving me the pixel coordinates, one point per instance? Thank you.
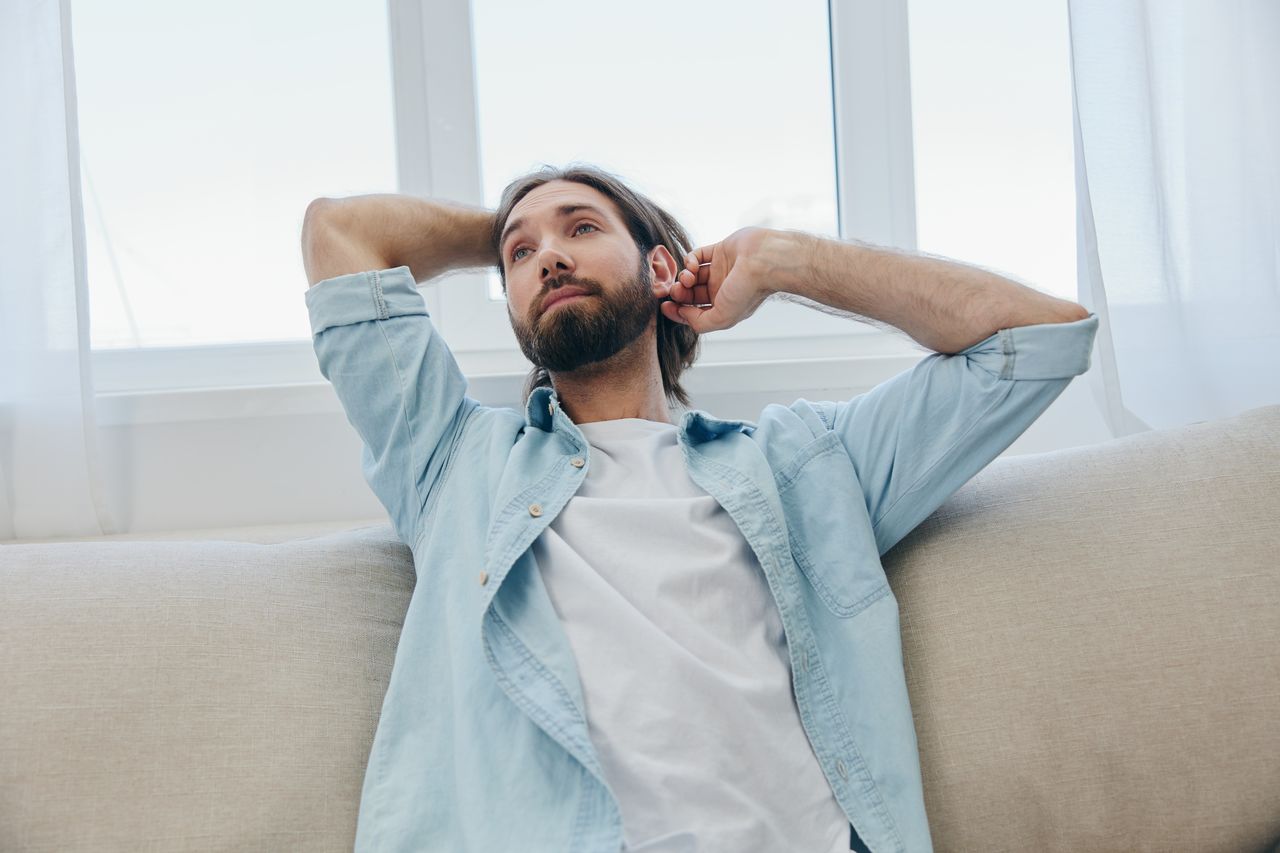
(482, 743)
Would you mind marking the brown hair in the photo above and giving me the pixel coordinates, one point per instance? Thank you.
(649, 225)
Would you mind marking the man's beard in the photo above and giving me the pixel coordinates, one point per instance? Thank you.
(592, 328)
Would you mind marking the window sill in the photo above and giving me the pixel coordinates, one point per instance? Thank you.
(828, 370)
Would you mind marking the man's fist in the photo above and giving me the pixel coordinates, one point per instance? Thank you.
(731, 278)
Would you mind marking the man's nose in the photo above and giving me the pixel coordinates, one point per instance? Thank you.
(554, 264)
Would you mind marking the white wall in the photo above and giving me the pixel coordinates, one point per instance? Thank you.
(302, 462)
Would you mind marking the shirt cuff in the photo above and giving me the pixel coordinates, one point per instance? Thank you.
(1039, 351)
(361, 296)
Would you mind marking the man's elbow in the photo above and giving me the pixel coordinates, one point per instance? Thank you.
(1075, 312)
(1046, 309)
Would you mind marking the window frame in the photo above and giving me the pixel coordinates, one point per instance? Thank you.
(437, 154)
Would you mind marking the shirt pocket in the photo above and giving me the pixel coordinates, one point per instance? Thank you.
(831, 536)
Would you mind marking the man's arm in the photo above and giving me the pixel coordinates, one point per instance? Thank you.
(945, 305)
(383, 231)
(1004, 354)
(397, 380)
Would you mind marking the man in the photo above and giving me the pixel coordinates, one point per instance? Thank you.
(627, 632)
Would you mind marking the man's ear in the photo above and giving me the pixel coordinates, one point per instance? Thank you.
(665, 269)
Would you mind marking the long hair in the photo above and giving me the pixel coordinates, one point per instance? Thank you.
(650, 226)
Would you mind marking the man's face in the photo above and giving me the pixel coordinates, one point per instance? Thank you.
(551, 252)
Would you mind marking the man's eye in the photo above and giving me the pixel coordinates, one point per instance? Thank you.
(516, 253)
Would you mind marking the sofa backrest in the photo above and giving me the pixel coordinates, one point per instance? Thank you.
(1092, 645)
(179, 695)
(1090, 638)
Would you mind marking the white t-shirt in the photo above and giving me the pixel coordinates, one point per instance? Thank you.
(682, 658)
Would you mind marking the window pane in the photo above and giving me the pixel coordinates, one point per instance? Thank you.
(721, 115)
(991, 113)
(205, 130)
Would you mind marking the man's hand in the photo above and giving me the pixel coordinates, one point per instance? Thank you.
(732, 277)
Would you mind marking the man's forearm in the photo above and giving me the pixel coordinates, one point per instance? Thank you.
(430, 236)
(945, 305)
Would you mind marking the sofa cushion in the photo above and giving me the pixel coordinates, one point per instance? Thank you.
(194, 695)
(1089, 638)
(1092, 645)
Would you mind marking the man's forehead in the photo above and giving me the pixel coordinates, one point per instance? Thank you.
(551, 195)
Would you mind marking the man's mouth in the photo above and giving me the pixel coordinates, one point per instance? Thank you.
(566, 295)
(568, 299)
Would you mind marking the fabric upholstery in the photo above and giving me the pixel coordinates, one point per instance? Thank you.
(193, 695)
(1092, 646)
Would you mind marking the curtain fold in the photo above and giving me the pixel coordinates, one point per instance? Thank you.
(51, 473)
(1177, 129)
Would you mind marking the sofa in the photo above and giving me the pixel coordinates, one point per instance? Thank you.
(1091, 639)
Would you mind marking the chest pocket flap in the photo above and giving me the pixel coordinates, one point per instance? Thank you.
(831, 535)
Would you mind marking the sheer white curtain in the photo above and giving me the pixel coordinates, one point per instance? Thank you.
(1177, 122)
(51, 481)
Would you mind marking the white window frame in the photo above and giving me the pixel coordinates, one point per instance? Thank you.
(875, 188)
(437, 148)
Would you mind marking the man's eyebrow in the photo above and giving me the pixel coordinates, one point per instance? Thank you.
(562, 211)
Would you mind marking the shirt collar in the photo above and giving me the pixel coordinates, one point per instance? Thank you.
(696, 424)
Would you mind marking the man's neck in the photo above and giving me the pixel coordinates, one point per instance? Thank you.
(614, 388)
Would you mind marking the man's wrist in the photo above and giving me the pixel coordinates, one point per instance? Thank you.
(788, 259)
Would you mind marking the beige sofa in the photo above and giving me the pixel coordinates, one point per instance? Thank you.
(1092, 642)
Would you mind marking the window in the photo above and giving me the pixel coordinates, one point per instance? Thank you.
(721, 116)
(205, 130)
(994, 163)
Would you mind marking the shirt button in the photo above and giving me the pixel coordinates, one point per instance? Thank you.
(844, 774)
(577, 462)
(551, 408)
(535, 510)
(484, 578)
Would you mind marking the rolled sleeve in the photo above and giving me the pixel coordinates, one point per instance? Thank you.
(1042, 351)
(397, 380)
(363, 296)
(919, 436)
